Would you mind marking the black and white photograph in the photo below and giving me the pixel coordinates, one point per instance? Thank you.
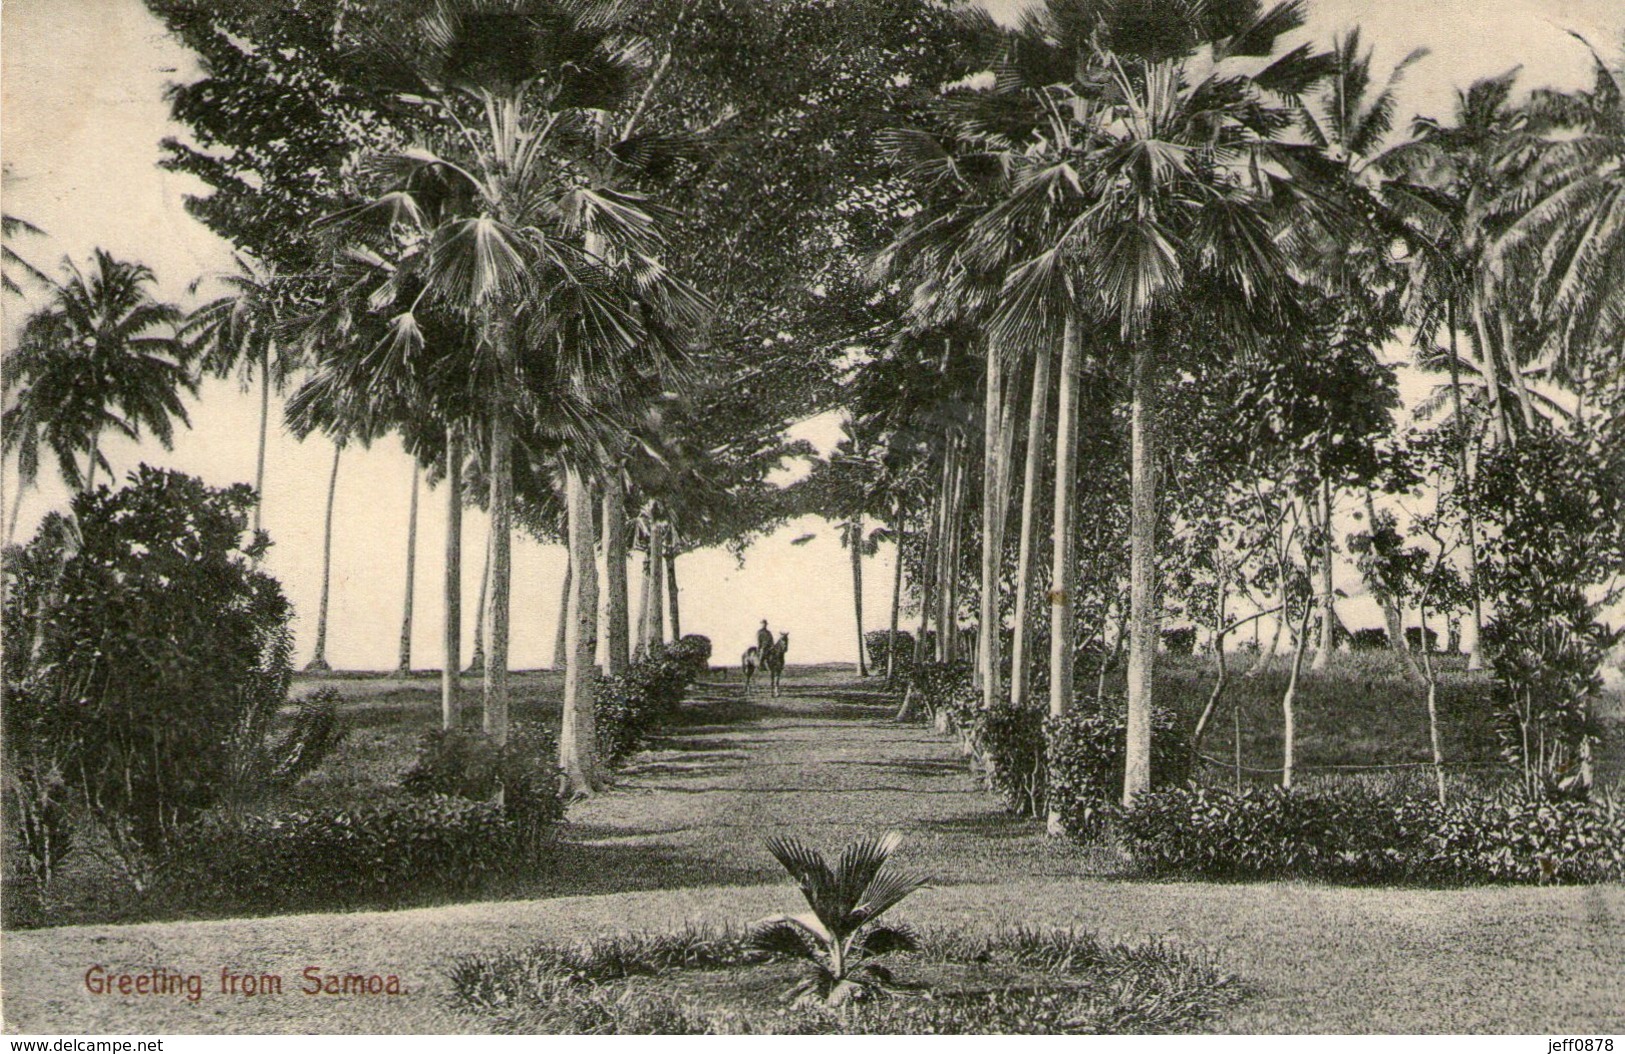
(812, 517)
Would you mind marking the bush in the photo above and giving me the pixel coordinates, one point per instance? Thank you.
(436, 844)
(1358, 836)
(1012, 744)
(1086, 751)
(1180, 641)
(1373, 639)
(1413, 638)
(158, 644)
(1553, 516)
(469, 765)
(943, 687)
(627, 709)
(879, 644)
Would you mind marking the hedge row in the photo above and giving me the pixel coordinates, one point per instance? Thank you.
(1074, 764)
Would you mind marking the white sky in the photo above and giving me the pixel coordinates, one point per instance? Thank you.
(80, 123)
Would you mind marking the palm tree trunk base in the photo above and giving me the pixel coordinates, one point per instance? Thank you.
(318, 665)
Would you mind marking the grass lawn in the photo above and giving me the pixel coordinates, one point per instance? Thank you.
(680, 839)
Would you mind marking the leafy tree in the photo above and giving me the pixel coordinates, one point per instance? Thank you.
(163, 642)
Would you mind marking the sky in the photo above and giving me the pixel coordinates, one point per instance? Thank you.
(81, 116)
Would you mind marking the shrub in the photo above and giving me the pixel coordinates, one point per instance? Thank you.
(259, 762)
(157, 640)
(1358, 836)
(1372, 639)
(627, 709)
(1180, 641)
(1012, 743)
(879, 644)
(1553, 546)
(468, 764)
(1413, 638)
(1085, 760)
(942, 687)
(436, 844)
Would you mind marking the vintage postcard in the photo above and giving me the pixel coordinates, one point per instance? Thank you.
(813, 516)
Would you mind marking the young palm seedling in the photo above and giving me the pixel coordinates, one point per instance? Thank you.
(840, 939)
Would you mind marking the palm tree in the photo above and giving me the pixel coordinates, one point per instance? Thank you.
(1145, 186)
(101, 356)
(1347, 125)
(237, 332)
(1567, 192)
(508, 221)
(10, 227)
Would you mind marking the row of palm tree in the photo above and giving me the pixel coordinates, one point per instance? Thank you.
(1135, 183)
(1131, 186)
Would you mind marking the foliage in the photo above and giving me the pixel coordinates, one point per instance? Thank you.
(1351, 835)
(468, 764)
(878, 642)
(1012, 980)
(100, 356)
(943, 686)
(1085, 758)
(628, 708)
(1181, 641)
(160, 650)
(1373, 638)
(1011, 740)
(1553, 513)
(387, 851)
(841, 939)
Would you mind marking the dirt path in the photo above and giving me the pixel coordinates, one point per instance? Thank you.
(680, 840)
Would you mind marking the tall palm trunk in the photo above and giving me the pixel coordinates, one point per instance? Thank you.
(265, 420)
(1026, 564)
(618, 655)
(1142, 652)
(1328, 609)
(896, 598)
(16, 510)
(90, 469)
(854, 544)
(656, 632)
(578, 739)
(987, 634)
(1475, 653)
(1492, 372)
(404, 668)
(561, 644)
(951, 563)
(496, 612)
(318, 659)
(1063, 573)
(640, 645)
(671, 594)
(476, 661)
(452, 635)
(928, 566)
(1520, 387)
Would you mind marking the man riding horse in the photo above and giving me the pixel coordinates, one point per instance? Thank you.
(765, 654)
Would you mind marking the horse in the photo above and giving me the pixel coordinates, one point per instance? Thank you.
(773, 661)
(748, 664)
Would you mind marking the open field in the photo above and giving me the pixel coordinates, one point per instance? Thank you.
(680, 840)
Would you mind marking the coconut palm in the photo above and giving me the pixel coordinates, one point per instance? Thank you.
(10, 227)
(1149, 181)
(1347, 121)
(1567, 191)
(100, 356)
(237, 333)
(507, 217)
